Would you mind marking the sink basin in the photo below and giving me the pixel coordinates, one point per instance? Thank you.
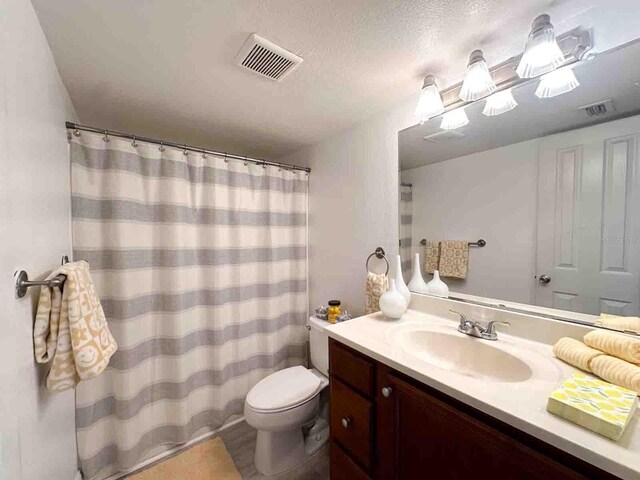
(462, 354)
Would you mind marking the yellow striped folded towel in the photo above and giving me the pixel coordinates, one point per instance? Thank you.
(594, 404)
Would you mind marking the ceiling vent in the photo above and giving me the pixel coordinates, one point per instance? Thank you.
(444, 136)
(267, 59)
(599, 109)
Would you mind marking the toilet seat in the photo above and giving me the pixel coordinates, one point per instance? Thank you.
(284, 390)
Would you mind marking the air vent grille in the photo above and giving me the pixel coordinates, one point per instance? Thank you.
(267, 59)
(599, 109)
(444, 136)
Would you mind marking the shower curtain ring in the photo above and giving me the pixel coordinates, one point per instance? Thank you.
(226, 160)
(134, 143)
(76, 132)
(245, 161)
(185, 152)
(161, 148)
(204, 154)
(106, 136)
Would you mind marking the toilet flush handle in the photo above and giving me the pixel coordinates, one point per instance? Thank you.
(346, 421)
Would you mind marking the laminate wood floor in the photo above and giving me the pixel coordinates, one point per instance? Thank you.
(240, 441)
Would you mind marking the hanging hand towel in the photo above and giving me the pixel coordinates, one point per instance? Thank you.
(454, 258)
(431, 257)
(375, 285)
(71, 329)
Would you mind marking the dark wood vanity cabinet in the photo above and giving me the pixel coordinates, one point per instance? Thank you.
(385, 425)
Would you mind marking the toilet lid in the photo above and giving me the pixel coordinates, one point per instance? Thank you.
(284, 389)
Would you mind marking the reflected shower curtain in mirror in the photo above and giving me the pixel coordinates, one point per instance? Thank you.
(201, 267)
(406, 226)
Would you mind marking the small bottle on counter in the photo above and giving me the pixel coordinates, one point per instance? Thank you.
(334, 310)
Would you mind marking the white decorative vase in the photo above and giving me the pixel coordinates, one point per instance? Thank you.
(400, 285)
(392, 303)
(437, 287)
(417, 283)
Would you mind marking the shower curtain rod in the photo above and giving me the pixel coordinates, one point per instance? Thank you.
(257, 161)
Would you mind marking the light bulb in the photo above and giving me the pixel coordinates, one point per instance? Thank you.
(477, 81)
(556, 83)
(454, 119)
(542, 53)
(430, 103)
(499, 102)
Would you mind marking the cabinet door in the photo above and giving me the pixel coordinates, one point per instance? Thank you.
(420, 436)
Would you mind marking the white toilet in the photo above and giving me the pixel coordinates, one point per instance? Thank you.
(285, 404)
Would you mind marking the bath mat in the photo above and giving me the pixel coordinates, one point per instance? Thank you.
(208, 460)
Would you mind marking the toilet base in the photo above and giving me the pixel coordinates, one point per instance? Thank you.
(277, 452)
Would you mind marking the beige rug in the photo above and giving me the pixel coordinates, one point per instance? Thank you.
(208, 460)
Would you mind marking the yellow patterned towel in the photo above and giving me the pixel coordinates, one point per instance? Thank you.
(375, 285)
(631, 324)
(591, 403)
(617, 371)
(615, 344)
(431, 257)
(71, 329)
(575, 353)
(454, 258)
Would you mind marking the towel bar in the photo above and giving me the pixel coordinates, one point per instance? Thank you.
(23, 282)
(479, 243)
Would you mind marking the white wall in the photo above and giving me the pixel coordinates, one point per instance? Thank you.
(490, 195)
(37, 436)
(353, 205)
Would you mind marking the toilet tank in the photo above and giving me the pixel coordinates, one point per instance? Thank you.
(319, 345)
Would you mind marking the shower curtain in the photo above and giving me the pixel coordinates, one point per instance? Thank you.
(201, 267)
(406, 226)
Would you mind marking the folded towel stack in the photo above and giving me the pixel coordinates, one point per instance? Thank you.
(611, 356)
(630, 324)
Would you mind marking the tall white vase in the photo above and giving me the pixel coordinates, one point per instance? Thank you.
(400, 285)
(417, 283)
(437, 287)
(392, 303)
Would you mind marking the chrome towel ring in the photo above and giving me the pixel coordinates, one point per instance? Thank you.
(380, 254)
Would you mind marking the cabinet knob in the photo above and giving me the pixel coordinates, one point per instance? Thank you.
(386, 392)
(346, 421)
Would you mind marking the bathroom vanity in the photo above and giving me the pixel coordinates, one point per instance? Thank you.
(398, 413)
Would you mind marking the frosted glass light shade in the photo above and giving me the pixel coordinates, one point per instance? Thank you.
(430, 103)
(542, 53)
(454, 119)
(556, 83)
(477, 81)
(499, 103)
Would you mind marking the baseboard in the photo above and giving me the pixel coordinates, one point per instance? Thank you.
(173, 451)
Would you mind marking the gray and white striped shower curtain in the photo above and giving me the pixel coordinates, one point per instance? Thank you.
(201, 267)
(406, 227)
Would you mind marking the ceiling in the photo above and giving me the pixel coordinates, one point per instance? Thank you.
(166, 69)
(614, 75)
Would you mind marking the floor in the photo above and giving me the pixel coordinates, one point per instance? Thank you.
(241, 442)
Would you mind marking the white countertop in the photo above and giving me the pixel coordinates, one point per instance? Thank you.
(520, 404)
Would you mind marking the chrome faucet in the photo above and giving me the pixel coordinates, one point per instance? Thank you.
(477, 329)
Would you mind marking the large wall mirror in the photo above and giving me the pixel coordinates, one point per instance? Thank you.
(552, 187)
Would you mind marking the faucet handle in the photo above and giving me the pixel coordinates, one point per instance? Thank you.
(489, 332)
(463, 319)
(464, 323)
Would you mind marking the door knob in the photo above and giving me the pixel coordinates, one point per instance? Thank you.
(544, 279)
(345, 422)
(386, 392)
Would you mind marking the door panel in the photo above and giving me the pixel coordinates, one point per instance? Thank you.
(588, 225)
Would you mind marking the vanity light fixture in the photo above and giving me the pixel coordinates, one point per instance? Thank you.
(454, 119)
(499, 103)
(477, 81)
(556, 83)
(430, 104)
(542, 53)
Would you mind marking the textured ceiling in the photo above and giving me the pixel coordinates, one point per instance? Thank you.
(165, 68)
